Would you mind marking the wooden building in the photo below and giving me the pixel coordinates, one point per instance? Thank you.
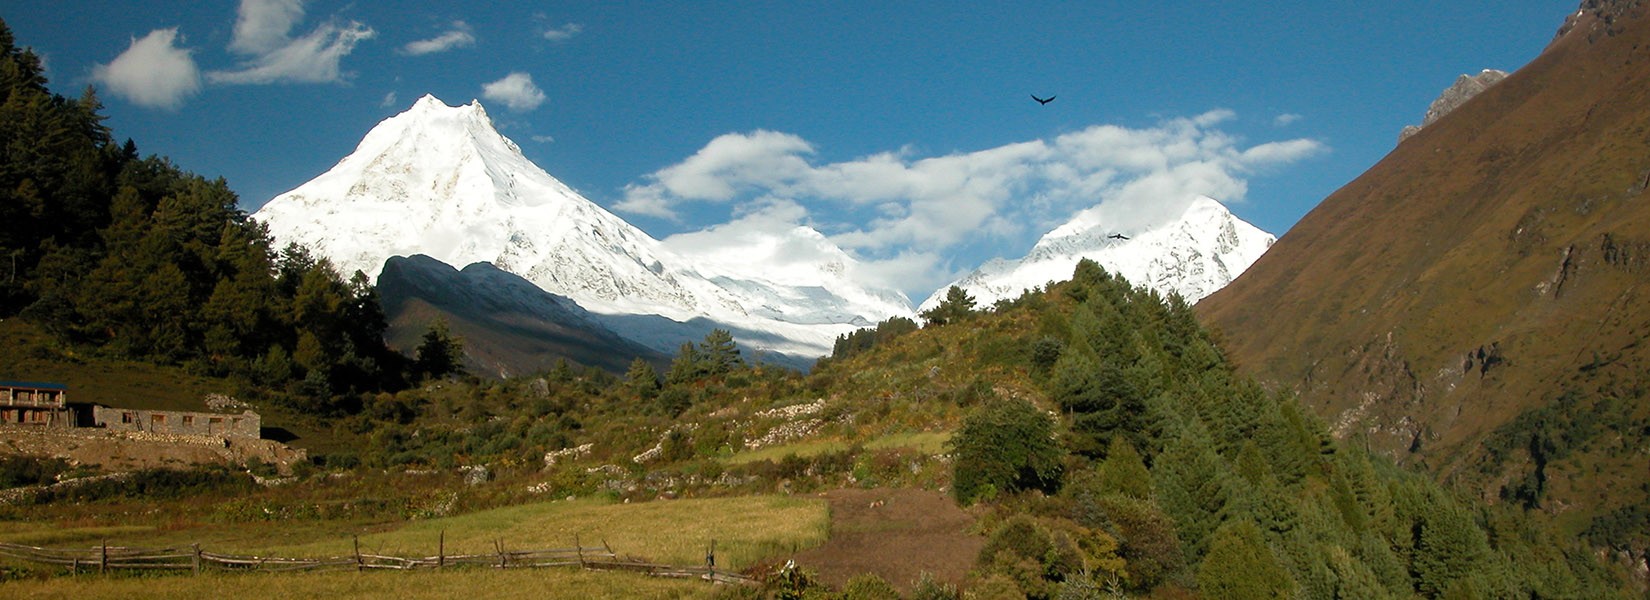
(34, 403)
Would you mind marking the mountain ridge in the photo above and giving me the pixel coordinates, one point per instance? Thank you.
(1477, 294)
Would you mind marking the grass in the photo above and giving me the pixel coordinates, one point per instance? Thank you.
(411, 585)
(31, 355)
(41, 534)
(746, 529)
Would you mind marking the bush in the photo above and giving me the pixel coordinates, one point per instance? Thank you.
(154, 484)
(17, 471)
(928, 588)
(869, 586)
(1006, 446)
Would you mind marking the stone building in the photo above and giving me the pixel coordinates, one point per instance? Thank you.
(33, 403)
(246, 425)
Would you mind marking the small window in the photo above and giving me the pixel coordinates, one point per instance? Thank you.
(126, 417)
(188, 420)
(157, 419)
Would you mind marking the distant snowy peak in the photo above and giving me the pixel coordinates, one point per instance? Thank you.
(441, 181)
(1201, 251)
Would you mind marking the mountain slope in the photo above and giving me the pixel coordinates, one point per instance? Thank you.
(1475, 303)
(441, 181)
(509, 326)
(1198, 253)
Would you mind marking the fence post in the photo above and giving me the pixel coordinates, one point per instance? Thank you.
(578, 548)
(503, 561)
(358, 566)
(103, 560)
(441, 550)
(710, 560)
(197, 561)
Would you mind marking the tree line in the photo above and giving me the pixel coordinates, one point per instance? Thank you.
(137, 258)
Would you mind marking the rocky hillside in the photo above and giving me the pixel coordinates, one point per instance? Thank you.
(1476, 302)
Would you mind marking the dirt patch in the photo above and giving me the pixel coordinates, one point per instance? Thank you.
(898, 534)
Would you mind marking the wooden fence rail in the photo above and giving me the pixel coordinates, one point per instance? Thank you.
(104, 557)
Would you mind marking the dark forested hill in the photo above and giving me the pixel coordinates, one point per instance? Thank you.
(135, 258)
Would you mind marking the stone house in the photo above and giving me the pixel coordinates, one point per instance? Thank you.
(34, 403)
(246, 425)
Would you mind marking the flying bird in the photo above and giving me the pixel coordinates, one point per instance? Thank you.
(1118, 236)
(1042, 100)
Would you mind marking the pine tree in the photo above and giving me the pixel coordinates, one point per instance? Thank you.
(1124, 472)
(718, 354)
(686, 366)
(642, 381)
(440, 352)
(1241, 567)
(956, 306)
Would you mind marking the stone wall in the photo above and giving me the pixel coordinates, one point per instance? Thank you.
(246, 425)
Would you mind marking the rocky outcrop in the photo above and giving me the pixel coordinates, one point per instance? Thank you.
(1465, 87)
(1599, 17)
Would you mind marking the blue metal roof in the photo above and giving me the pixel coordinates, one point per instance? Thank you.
(35, 385)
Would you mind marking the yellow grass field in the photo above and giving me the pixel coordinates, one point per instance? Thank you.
(746, 530)
(410, 585)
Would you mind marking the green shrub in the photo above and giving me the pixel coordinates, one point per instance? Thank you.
(928, 588)
(869, 586)
(1005, 445)
(17, 471)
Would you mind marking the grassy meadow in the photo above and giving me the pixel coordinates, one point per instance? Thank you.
(747, 530)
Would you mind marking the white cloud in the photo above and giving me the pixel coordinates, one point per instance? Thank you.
(544, 139)
(457, 37)
(1281, 152)
(152, 72)
(1285, 119)
(263, 33)
(900, 213)
(389, 101)
(261, 26)
(563, 33)
(516, 91)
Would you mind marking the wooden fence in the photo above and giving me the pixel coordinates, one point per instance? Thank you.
(105, 558)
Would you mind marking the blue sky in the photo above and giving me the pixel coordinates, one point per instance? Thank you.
(903, 130)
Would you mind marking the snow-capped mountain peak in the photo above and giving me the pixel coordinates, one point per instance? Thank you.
(1192, 255)
(441, 181)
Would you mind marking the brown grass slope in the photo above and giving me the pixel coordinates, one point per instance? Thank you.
(1486, 267)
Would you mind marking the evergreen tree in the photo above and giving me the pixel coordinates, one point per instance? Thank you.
(956, 306)
(440, 352)
(718, 354)
(686, 366)
(1241, 567)
(1124, 472)
(642, 381)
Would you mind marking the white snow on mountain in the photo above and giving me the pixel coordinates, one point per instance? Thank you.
(441, 181)
(1194, 255)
